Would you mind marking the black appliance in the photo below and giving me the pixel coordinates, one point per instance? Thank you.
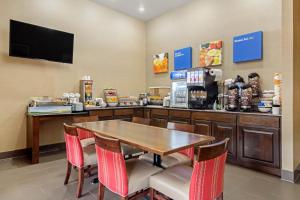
(31, 41)
(202, 89)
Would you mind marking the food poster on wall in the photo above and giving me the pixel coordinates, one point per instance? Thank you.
(160, 63)
(211, 54)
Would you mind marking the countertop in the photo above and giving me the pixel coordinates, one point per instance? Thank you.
(151, 106)
(215, 111)
(57, 114)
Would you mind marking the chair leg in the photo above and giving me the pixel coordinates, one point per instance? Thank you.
(124, 198)
(89, 170)
(220, 197)
(101, 191)
(151, 194)
(69, 168)
(80, 182)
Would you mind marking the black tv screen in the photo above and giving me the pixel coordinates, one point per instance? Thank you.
(31, 41)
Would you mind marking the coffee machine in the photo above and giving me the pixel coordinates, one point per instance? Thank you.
(202, 88)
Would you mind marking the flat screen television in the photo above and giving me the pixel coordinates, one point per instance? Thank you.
(36, 42)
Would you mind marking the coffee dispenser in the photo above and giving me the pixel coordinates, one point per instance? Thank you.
(202, 88)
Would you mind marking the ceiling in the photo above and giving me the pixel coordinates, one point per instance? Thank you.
(152, 8)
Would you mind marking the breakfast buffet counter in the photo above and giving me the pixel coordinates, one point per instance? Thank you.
(255, 138)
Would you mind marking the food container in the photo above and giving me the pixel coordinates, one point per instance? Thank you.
(239, 82)
(276, 110)
(254, 81)
(128, 101)
(246, 98)
(233, 97)
(111, 97)
(264, 110)
(265, 106)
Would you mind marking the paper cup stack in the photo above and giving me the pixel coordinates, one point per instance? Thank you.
(277, 93)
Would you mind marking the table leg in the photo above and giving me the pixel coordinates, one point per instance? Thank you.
(157, 160)
(35, 134)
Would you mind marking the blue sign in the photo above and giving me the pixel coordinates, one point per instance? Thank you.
(248, 47)
(183, 58)
(175, 75)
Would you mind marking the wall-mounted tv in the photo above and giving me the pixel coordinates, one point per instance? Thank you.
(36, 42)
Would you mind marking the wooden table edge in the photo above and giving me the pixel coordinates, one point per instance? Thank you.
(209, 139)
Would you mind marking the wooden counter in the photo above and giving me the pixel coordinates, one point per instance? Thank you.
(255, 138)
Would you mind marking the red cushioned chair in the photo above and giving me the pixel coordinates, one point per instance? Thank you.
(203, 182)
(128, 179)
(183, 157)
(83, 158)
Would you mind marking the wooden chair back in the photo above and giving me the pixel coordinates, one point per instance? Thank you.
(85, 119)
(140, 120)
(181, 127)
(73, 146)
(211, 151)
(70, 130)
(162, 123)
(109, 144)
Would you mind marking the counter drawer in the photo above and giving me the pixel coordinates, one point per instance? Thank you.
(159, 113)
(179, 114)
(216, 117)
(124, 112)
(94, 113)
(257, 120)
(105, 113)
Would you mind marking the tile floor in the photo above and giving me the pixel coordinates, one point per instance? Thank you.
(20, 180)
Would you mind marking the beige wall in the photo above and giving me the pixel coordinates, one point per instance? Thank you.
(109, 46)
(209, 20)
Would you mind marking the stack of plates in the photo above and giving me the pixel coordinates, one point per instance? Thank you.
(266, 101)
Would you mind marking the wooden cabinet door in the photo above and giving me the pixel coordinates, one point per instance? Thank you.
(202, 127)
(225, 130)
(259, 146)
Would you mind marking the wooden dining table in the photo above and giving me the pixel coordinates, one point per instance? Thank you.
(159, 141)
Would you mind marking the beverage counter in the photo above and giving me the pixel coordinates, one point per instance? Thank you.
(255, 138)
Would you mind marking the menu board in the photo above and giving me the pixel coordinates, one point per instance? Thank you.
(248, 47)
(183, 58)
